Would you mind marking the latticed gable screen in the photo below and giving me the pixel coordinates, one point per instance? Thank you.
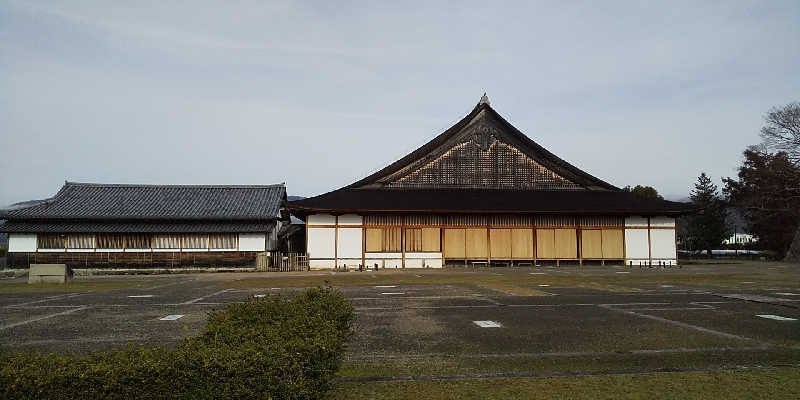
(468, 165)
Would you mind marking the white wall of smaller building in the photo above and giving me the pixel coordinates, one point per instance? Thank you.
(21, 242)
(252, 242)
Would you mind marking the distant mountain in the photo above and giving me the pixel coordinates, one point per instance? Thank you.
(293, 198)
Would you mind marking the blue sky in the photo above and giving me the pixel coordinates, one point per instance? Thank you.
(319, 94)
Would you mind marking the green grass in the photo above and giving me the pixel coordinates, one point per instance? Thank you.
(769, 384)
(555, 364)
(74, 286)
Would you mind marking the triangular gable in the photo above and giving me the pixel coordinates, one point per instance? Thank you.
(482, 151)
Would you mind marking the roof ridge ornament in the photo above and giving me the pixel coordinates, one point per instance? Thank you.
(484, 99)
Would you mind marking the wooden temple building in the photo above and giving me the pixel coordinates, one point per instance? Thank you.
(113, 225)
(483, 192)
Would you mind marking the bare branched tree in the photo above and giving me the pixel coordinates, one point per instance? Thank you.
(782, 131)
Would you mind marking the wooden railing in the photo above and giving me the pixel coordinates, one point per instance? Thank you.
(281, 262)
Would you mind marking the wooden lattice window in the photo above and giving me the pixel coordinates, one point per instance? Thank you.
(223, 241)
(195, 241)
(51, 241)
(167, 241)
(137, 241)
(109, 241)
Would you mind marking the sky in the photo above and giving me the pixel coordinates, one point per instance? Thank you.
(320, 94)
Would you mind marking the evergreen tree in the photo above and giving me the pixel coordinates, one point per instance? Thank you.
(708, 228)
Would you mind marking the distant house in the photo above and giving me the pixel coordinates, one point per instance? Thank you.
(741, 239)
(483, 192)
(99, 225)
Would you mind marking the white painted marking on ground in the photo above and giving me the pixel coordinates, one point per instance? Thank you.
(275, 288)
(622, 272)
(666, 286)
(487, 324)
(537, 273)
(544, 285)
(207, 296)
(142, 296)
(390, 293)
(43, 317)
(50, 298)
(171, 317)
(418, 276)
(776, 317)
(386, 286)
(259, 295)
(787, 294)
(748, 282)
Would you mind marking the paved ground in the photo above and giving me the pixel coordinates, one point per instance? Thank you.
(403, 316)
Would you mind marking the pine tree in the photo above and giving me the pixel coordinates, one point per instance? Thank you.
(708, 228)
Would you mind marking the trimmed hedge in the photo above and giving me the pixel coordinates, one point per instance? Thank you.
(265, 348)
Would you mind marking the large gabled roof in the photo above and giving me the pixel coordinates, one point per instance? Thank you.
(483, 113)
(122, 202)
(545, 183)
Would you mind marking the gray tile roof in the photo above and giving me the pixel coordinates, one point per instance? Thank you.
(137, 227)
(93, 201)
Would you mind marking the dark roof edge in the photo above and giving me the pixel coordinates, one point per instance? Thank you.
(282, 184)
(577, 212)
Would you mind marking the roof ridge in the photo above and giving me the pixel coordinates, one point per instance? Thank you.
(144, 185)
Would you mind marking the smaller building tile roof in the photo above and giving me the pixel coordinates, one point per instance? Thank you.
(92, 201)
(137, 227)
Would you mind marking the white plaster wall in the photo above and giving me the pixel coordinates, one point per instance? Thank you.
(321, 242)
(383, 255)
(393, 263)
(662, 222)
(424, 255)
(166, 250)
(350, 219)
(145, 250)
(80, 250)
(636, 244)
(413, 262)
(252, 242)
(349, 243)
(21, 242)
(662, 243)
(433, 263)
(321, 219)
(316, 263)
(635, 221)
(110, 250)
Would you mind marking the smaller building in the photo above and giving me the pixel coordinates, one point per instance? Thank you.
(740, 239)
(116, 225)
